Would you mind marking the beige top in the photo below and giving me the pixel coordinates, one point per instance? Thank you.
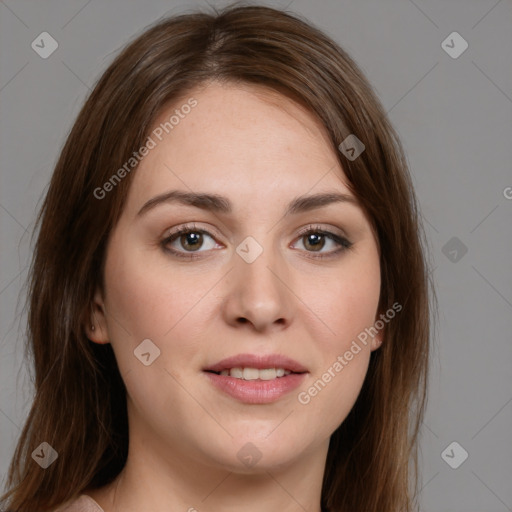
(83, 503)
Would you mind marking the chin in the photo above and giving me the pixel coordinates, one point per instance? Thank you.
(252, 451)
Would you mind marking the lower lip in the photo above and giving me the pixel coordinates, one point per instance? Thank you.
(257, 391)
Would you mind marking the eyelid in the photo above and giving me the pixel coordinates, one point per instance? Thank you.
(318, 228)
(211, 231)
(192, 226)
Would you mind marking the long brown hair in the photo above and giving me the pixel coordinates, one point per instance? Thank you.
(80, 399)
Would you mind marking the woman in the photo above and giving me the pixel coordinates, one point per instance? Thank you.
(229, 297)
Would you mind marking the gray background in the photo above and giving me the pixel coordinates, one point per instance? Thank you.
(454, 118)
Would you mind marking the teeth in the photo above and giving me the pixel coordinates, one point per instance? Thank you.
(237, 372)
(255, 373)
(268, 374)
(251, 374)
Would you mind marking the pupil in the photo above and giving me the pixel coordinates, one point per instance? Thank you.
(315, 241)
(195, 238)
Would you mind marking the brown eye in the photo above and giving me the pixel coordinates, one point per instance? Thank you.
(191, 241)
(315, 239)
(187, 240)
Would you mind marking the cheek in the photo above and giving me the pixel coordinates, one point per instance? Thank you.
(348, 306)
(332, 390)
(147, 298)
(151, 300)
(350, 301)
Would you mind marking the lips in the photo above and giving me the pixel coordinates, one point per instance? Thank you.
(245, 377)
(258, 361)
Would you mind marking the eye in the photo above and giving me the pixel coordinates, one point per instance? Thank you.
(314, 239)
(188, 239)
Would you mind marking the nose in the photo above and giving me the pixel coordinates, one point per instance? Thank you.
(259, 293)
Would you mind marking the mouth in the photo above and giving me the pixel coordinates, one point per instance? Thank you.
(256, 367)
(256, 379)
(254, 373)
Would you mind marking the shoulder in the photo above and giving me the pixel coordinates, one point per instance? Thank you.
(83, 503)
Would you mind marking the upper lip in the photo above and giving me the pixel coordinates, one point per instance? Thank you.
(257, 361)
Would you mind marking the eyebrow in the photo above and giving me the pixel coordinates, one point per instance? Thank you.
(220, 204)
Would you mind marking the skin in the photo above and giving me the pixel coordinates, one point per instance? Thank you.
(260, 150)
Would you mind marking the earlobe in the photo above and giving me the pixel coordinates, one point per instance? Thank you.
(95, 324)
(380, 328)
(377, 342)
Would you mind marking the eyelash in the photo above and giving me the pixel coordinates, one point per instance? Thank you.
(343, 242)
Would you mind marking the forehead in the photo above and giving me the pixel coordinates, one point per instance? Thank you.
(243, 140)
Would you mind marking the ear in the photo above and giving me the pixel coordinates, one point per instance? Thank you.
(378, 339)
(96, 322)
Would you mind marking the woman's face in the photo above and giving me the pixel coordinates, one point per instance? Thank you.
(243, 282)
